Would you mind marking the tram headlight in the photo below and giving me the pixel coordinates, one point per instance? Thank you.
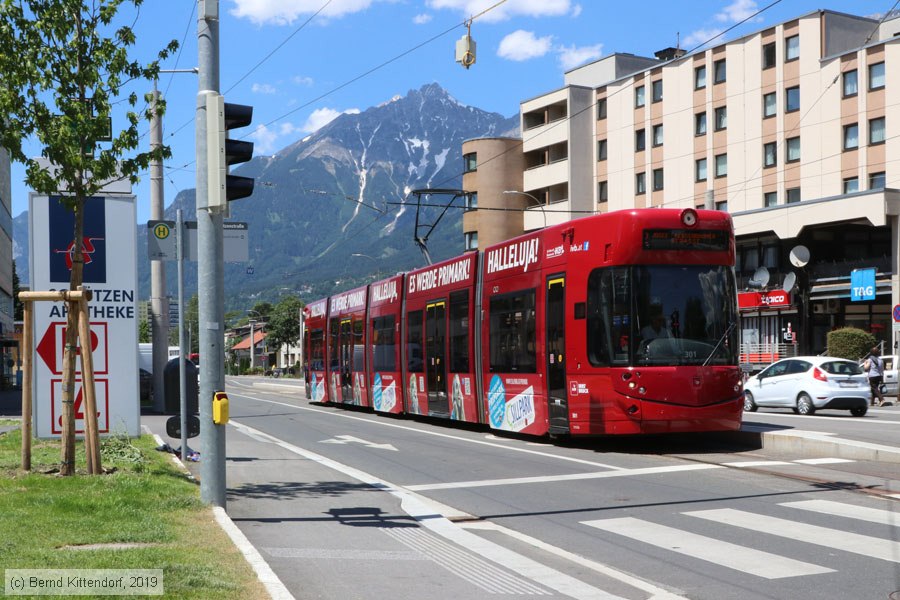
(689, 217)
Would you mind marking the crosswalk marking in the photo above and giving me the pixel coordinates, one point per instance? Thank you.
(813, 534)
(852, 511)
(726, 554)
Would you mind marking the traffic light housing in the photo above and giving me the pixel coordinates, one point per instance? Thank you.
(222, 152)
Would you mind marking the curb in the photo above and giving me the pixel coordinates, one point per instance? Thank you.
(277, 590)
(813, 443)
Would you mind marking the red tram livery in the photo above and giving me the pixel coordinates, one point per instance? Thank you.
(621, 323)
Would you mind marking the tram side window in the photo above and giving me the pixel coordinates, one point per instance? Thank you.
(459, 332)
(317, 350)
(608, 317)
(359, 348)
(383, 333)
(335, 332)
(414, 361)
(512, 322)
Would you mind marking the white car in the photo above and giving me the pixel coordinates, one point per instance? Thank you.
(810, 383)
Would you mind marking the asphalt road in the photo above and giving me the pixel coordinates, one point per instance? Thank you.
(470, 514)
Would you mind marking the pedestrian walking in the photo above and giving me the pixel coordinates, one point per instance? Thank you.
(874, 367)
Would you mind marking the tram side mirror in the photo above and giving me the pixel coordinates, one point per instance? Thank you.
(580, 310)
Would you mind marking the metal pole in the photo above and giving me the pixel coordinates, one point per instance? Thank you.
(183, 352)
(252, 348)
(210, 269)
(159, 309)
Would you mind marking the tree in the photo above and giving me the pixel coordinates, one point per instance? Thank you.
(283, 326)
(61, 77)
(144, 331)
(18, 307)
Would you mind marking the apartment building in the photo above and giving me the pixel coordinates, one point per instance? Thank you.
(791, 129)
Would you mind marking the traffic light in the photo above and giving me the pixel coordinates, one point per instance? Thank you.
(222, 116)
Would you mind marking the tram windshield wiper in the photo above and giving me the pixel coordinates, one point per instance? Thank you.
(719, 343)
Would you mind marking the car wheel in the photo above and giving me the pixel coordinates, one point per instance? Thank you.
(804, 404)
(859, 411)
(749, 403)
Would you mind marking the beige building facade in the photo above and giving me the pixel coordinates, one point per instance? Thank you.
(791, 129)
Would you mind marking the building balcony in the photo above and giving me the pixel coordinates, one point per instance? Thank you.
(547, 175)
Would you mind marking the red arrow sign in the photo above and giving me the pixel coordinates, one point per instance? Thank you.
(48, 349)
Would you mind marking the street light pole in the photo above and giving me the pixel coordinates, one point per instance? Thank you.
(539, 203)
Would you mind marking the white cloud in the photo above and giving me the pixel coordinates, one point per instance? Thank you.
(287, 129)
(522, 45)
(700, 36)
(571, 57)
(576, 11)
(302, 80)
(285, 12)
(323, 116)
(737, 11)
(512, 8)
(262, 88)
(264, 140)
(421, 19)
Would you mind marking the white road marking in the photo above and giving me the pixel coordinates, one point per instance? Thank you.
(850, 511)
(855, 543)
(569, 477)
(384, 423)
(823, 461)
(423, 510)
(726, 554)
(349, 439)
(755, 463)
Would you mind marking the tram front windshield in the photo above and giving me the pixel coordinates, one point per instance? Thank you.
(662, 315)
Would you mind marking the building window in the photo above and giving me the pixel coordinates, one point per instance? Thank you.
(658, 135)
(640, 141)
(793, 195)
(770, 199)
(721, 165)
(700, 124)
(721, 118)
(722, 205)
(876, 131)
(700, 170)
(472, 240)
(792, 48)
(640, 186)
(700, 77)
(602, 191)
(657, 180)
(851, 136)
(601, 150)
(876, 181)
(657, 90)
(719, 70)
(851, 184)
(792, 99)
(851, 83)
(471, 200)
(793, 149)
(639, 99)
(770, 154)
(601, 109)
(768, 57)
(470, 162)
(770, 105)
(876, 76)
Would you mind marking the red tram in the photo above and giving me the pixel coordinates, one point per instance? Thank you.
(621, 323)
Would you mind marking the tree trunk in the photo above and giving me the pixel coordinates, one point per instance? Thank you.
(67, 466)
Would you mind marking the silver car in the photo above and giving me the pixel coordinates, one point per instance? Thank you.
(810, 383)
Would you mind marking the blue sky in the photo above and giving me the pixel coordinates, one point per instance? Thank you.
(300, 63)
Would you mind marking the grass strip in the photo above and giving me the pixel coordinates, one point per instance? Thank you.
(145, 500)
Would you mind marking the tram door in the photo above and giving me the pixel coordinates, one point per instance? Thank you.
(346, 358)
(556, 354)
(435, 358)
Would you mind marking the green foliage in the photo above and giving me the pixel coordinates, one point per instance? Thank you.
(850, 343)
(284, 323)
(144, 332)
(65, 66)
(18, 307)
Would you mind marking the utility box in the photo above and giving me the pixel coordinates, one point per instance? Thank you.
(172, 383)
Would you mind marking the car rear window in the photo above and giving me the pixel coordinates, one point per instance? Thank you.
(840, 367)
